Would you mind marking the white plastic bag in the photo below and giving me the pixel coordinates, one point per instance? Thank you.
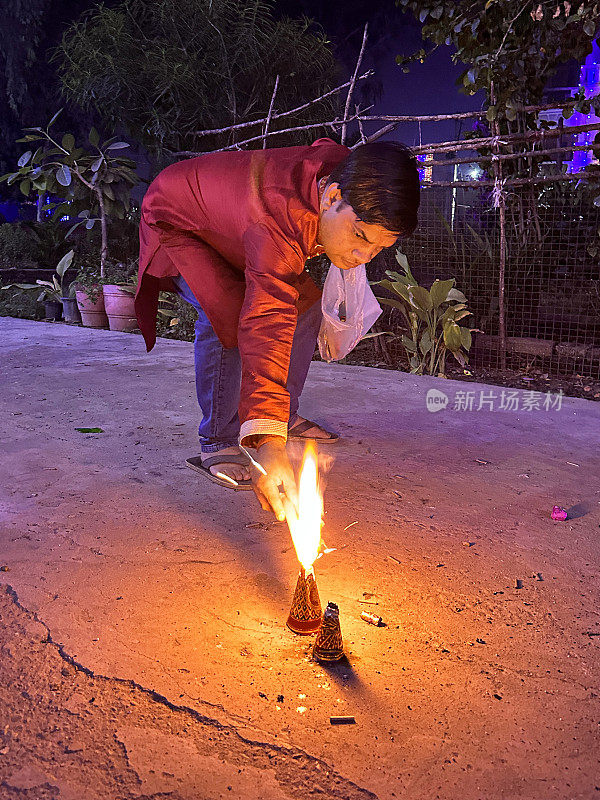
(349, 310)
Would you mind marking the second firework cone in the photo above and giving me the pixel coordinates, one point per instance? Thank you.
(328, 645)
(305, 613)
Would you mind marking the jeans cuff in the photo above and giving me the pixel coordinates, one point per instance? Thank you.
(214, 447)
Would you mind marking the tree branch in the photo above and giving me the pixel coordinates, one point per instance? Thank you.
(332, 124)
(381, 132)
(281, 114)
(510, 24)
(266, 133)
(353, 82)
(360, 127)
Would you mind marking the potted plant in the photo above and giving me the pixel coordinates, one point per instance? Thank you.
(53, 292)
(119, 294)
(89, 296)
(70, 309)
(93, 178)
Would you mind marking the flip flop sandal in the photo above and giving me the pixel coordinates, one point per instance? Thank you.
(298, 431)
(204, 468)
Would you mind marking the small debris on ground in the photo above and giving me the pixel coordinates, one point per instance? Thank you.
(342, 720)
(560, 513)
(372, 619)
(518, 583)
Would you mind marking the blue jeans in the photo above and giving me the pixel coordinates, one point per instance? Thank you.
(219, 373)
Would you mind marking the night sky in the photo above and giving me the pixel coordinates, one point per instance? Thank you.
(428, 88)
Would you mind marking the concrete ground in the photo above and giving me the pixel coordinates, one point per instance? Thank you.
(144, 647)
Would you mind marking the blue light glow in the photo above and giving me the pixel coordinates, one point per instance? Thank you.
(589, 78)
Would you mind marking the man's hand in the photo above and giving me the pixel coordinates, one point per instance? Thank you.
(273, 457)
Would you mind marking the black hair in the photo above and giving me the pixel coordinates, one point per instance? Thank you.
(380, 180)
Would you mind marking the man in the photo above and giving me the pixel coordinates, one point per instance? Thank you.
(231, 232)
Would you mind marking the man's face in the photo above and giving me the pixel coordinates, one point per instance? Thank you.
(347, 240)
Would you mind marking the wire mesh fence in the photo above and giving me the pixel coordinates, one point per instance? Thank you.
(552, 280)
(517, 227)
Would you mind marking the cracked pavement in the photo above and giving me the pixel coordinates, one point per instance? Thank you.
(143, 643)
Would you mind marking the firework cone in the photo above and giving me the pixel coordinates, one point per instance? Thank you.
(328, 645)
(305, 613)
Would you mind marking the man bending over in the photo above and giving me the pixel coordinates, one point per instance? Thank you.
(231, 233)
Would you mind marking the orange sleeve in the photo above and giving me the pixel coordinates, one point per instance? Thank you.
(266, 330)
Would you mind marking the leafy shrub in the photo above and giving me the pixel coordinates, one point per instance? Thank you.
(18, 246)
(432, 318)
(176, 318)
(17, 303)
(49, 238)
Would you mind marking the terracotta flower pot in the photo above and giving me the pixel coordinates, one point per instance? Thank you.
(119, 305)
(93, 314)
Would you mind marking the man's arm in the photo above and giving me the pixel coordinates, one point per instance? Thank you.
(266, 330)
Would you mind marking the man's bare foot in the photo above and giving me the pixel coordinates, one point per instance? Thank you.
(239, 472)
(304, 429)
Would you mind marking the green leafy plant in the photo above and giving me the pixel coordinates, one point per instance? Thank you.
(95, 177)
(170, 310)
(216, 72)
(54, 289)
(18, 246)
(510, 48)
(432, 317)
(121, 273)
(89, 279)
(49, 238)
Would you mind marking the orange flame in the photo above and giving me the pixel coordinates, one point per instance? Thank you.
(305, 526)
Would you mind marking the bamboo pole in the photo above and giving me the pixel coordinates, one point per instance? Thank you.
(489, 141)
(376, 117)
(510, 182)
(500, 201)
(440, 147)
(510, 156)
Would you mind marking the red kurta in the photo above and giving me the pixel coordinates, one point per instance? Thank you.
(239, 226)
